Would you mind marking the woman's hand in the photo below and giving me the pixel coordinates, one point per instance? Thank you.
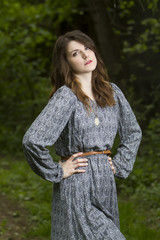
(70, 166)
(112, 167)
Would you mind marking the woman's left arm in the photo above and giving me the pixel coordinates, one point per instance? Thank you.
(130, 136)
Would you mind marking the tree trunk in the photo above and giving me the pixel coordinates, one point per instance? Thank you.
(107, 41)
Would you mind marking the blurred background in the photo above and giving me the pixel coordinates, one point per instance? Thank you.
(127, 34)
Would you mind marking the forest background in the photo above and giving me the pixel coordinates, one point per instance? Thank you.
(127, 34)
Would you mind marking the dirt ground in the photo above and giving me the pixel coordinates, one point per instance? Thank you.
(13, 220)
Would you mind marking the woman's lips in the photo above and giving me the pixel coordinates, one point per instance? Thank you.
(88, 62)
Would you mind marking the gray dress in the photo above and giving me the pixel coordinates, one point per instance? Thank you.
(84, 206)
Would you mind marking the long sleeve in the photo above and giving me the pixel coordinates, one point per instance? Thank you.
(45, 131)
(130, 136)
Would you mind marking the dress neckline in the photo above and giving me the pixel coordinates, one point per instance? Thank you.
(92, 100)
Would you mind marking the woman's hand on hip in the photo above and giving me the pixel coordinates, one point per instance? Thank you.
(112, 167)
(70, 166)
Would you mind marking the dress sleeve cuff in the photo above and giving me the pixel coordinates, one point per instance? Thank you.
(60, 173)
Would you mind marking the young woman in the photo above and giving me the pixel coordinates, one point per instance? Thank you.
(82, 118)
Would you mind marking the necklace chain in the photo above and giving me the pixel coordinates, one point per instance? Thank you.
(96, 119)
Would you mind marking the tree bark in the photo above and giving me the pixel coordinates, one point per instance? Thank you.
(107, 41)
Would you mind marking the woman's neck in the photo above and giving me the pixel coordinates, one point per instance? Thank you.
(86, 84)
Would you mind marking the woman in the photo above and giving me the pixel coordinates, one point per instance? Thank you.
(82, 118)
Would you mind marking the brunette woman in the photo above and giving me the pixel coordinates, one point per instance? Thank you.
(81, 119)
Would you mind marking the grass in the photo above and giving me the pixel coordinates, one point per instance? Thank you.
(133, 221)
(34, 194)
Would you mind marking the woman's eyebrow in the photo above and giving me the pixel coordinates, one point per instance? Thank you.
(74, 50)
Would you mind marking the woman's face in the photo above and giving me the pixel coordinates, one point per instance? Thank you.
(80, 58)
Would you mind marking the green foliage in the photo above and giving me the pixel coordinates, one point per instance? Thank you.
(137, 24)
(153, 5)
(3, 227)
(148, 40)
(143, 185)
(133, 222)
(27, 34)
(22, 66)
(31, 192)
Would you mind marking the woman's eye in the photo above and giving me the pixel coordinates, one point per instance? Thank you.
(75, 53)
(87, 48)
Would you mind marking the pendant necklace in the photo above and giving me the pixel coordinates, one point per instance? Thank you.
(96, 119)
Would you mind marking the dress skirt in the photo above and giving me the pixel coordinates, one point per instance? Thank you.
(84, 206)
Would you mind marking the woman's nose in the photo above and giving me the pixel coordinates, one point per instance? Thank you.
(84, 55)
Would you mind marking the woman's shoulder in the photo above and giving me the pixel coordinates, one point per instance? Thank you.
(115, 88)
(64, 92)
(119, 96)
(117, 91)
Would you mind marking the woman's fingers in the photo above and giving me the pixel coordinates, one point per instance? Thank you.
(75, 156)
(81, 163)
(71, 166)
(112, 167)
(79, 171)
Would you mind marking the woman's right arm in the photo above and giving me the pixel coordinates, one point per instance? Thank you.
(45, 131)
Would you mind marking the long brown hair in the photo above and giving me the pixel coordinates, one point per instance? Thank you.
(62, 74)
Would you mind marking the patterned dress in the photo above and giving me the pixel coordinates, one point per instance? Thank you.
(84, 206)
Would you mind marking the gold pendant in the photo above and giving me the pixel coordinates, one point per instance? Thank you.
(96, 121)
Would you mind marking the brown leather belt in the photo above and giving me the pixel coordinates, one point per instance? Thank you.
(108, 152)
